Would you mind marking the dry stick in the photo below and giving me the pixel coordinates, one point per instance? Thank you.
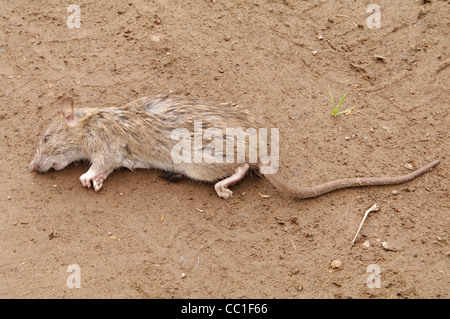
(374, 208)
(198, 262)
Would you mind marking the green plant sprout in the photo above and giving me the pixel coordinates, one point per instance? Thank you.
(336, 109)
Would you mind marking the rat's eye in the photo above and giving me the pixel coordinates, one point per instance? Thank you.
(47, 137)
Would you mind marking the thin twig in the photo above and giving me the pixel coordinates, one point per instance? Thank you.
(198, 262)
(374, 208)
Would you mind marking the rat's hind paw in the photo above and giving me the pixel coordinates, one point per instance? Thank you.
(172, 177)
(223, 191)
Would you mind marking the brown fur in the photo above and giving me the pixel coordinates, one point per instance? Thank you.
(138, 135)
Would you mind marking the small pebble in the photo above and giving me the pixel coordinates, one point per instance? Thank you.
(387, 247)
(155, 38)
(336, 264)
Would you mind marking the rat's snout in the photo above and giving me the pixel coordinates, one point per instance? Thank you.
(36, 165)
(42, 163)
(33, 166)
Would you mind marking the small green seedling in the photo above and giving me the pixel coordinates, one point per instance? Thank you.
(336, 109)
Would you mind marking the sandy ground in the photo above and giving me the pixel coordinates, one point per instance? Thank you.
(144, 237)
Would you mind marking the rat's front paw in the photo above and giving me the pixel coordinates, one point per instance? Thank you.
(96, 179)
(98, 183)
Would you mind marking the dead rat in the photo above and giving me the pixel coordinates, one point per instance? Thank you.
(146, 133)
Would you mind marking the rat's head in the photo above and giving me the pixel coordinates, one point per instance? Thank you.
(60, 145)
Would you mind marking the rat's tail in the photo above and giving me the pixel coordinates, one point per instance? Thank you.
(314, 191)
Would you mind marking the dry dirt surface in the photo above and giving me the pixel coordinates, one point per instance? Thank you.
(142, 236)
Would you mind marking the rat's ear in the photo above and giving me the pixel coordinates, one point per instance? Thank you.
(67, 110)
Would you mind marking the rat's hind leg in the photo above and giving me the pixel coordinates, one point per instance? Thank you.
(172, 177)
(222, 186)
